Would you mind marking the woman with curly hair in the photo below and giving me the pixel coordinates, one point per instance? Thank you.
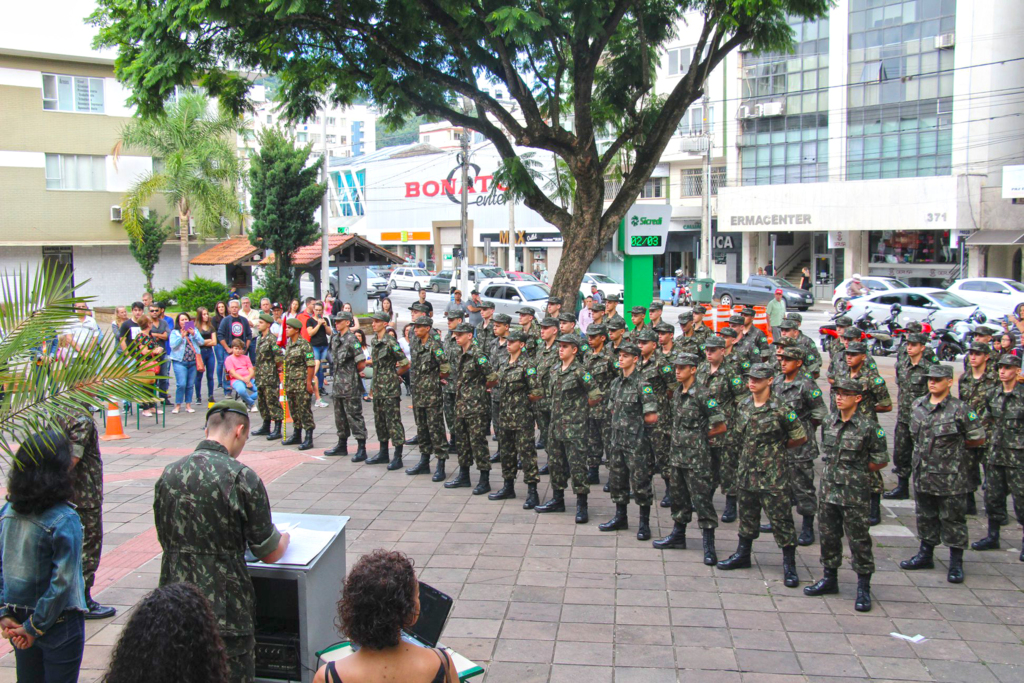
(172, 637)
(380, 597)
(41, 586)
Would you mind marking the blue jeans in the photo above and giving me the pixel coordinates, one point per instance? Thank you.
(248, 395)
(321, 353)
(221, 356)
(184, 381)
(163, 385)
(55, 657)
(208, 354)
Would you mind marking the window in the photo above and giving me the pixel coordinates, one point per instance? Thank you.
(653, 189)
(301, 137)
(692, 122)
(679, 60)
(270, 119)
(887, 300)
(917, 300)
(534, 292)
(331, 139)
(343, 139)
(692, 181)
(314, 137)
(331, 120)
(611, 188)
(75, 172)
(72, 93)
(973, 286)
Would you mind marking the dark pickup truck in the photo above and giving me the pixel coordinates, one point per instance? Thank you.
(759, 290)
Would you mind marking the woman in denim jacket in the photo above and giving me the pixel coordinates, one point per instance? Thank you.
(185, 347)
(41, 588)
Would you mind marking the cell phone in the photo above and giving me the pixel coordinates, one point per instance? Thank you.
(189, 326)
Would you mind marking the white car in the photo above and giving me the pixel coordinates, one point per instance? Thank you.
(874, 285)
(508, 297)
(917, 304)
(405, 277)
(605, 285)
(997, 293)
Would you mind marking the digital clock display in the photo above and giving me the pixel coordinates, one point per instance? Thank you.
(645, 241)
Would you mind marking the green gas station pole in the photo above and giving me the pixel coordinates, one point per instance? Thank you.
(637, 272)
(643, 233)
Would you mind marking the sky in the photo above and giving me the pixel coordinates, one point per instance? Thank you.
(55, 26)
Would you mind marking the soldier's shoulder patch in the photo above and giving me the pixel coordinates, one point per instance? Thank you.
(873, 365)
(531, 371)
(746, 365)
(357, 346)
(309, 355)
(666, 368)
(879, 380)
(880, 433)
(791, 416)
(647, 390)
(586, 377)
(935, 359)
(701, 347)
(712, 403)
(736, 381)
(396, 347)
(584, 347)
(816, 393)
(971, 415)
(439, 353)
(482, 360)
(616, 364)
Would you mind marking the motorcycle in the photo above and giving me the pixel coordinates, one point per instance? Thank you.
(877, 340)
(963, 332)
(827, 332)
(887, 342)
(681, 293)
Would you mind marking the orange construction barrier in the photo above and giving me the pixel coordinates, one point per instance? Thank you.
(717, 317)
(115, 431)
(761, 322)
(284, 400)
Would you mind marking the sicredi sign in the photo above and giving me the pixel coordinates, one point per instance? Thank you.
(645, 229)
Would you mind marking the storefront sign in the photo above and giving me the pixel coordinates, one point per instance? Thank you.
(405, 236)
(838, 239)
(451, 187)
(939, 270)
(1013, 182)
(771, 219)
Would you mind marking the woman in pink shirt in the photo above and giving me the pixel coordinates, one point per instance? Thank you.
(240, 373)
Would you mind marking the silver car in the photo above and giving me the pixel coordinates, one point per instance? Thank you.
(508, 297)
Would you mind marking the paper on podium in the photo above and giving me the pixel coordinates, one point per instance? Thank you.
(304, 544)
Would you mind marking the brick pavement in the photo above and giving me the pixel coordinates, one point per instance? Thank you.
(539, 598)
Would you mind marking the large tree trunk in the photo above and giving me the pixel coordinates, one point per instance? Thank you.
(183, 220)
(580, 246)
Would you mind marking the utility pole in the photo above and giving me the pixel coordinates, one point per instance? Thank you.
(464, 221)
(325, 251)
(705, 223)
(511, 233)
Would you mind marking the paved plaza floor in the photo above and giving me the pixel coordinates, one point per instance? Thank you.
(540, 598)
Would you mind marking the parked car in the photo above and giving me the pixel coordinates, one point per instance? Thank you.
(995, 293)
(509, 297)
(917, 303)
(478, 276)
(405, 277)
(605, 285)
(518, 276)
(874, 285)
(760, 289)
(376, 286)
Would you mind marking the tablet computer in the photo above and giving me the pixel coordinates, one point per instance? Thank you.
(435, 607)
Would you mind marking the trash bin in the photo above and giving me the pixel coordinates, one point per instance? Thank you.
(703, 290)
(665, 287)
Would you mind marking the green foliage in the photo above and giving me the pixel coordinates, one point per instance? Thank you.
(146, 247)
(404, 134)
(256, 295)
(197, 292)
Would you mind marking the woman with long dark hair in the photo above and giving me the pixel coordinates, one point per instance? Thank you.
(206, 329)
(389, 308)
(220, 312)
(185, 344)
(42, 589)
(171, 637)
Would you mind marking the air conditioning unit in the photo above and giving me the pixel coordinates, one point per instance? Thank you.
(945, 41)
(772, 109)
(745, 112)
(115, 214)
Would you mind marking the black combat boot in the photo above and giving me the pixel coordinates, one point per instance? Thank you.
(739, 559)
(618, 521)
(275, 433)
(710, 555)
(643, 529)
(496, 457)
(807, 532)
(396, 462)
(676, 539)
(593, 475)
(439, 473)
(863, 601)
(461, 480)
(413, 441)
(956, 566)
(789, 574)
(607, 485)
(508, 490)
(875, 510)
(532, 500)
(383, 456)
(923, 560)
(341, 448)
(295, 438)
(484, 484)
(972, 504)
(582, 514)
(544, 470)
(902, 490)
(556, 504)
(360, 454)
(96, 610)
(729, 514)
(307, 443)
(826, 585)
(765, 528)
(262, 431)
(422, 467)
(666, 500)
(990, 542)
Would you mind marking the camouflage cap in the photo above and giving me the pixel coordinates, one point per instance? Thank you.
(664, 328)
(736, 319)
(463, 327)
(517, 336)
(638, 310)
(267, 318)
(685, 318)
(613, 297)
(939, 371)
(417, 306)
(760, 371)
(848, 384)
(379, 316)
(647, 335)
(569, 339)
(698, 309)
(526, 310)
(795, 316)
(917, 338)
(657, 305)
(844, 321)
(914, 326)
(455, 314)
(1009, 359)
(616, 324)
(728, 332)
(714, 343)
(630, 348)
(855, 347)
(597, 330)
(423, 321)
(297, 324)
(548, 321)
(686, 359)
(597, 308)
(784, 342)
(486, 304)
(851, 333)
(979, 347)
(228, 405)
(502, 318)
(555, 300)
(344, 315)
(748, 311)
(984, 331)
(789, 324)
(792, 353)
(566, 317)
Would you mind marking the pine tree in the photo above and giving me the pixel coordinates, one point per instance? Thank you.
(146, 246)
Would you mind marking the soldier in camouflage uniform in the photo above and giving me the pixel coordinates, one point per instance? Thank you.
(695, 418)
(88, 500)
(1004, 468)
(611, 303)
(912, 383)
(208, 508)
(473, 375)
(389, 364)
(654, 312)
(689, 341)
(754, 342)
(268, 364)
(348, 361)
(429, 366)
(531, 328)
(616, 332)
(766, 428)
(567, 325)
(601, 366)
(657, 371)
(597, 311)
(498, 355)
(637, 315)
(571, 390)
(632, 407)
(942, 427)
(452, 352)
(702, 331)
(836, 344)
(547, 358)
(790, 329)
(853, 447)
(554, 307)
(667, 346)
(795, 390)
(734, 357)
(299, 364)
(724, 384)
(982, 335)
(975, 386)
(519, 386)
(484, 333)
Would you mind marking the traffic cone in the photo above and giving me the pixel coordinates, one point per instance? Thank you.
(114, 431)
(761, 322)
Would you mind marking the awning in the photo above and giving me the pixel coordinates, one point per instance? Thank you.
(230, 252)
(995, 238)
(343, 250)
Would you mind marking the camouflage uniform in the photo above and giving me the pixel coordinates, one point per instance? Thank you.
(208, 508)
(602, 367)
(629, 450)
(975, 393)
(533, 342)
(268, 354)
(692, 344)
(762, 474)
(633, 335)
(569, 390)
(848, 448)
(498, 355)
(346, 354)
(387, 357)
(803, 396)
(428, 364)
(876, 393)
(547, 359)
(911, 384)
(88, 498)
(298, 356)
(727, 388)
(518, 381)
(657, 371)
(452, 353)
(694, 412)
(617, 317)
(1004, 468)
(472, 372)
(939, 432)
(812, 357)
(754, 345)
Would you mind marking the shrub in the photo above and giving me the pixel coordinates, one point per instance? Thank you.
(199, 292)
